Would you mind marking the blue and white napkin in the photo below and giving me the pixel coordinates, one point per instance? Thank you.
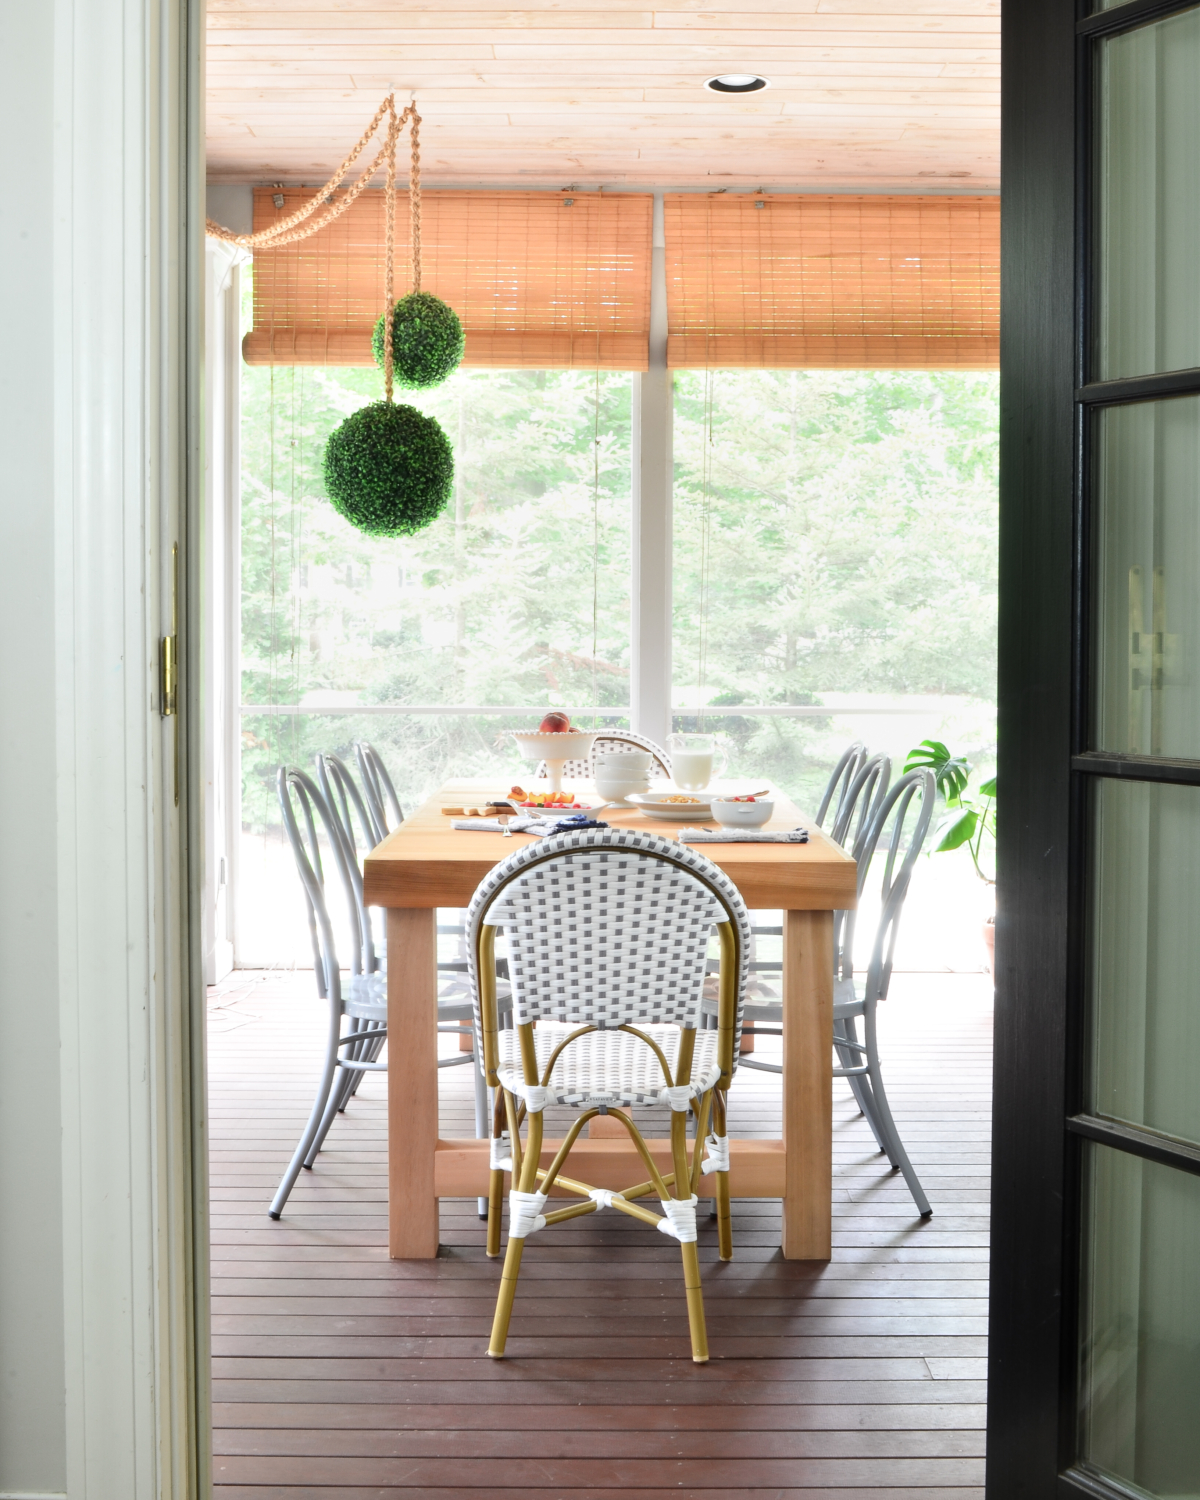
(538, 827)
(743, 836)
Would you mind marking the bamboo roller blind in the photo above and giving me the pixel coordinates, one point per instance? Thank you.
(832, 281)
(538, 281)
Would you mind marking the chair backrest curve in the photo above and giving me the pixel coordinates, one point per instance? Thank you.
(607, 927)
(840, 780)
(346, 803)
(296, 788)
(904, 842)
(382, 802)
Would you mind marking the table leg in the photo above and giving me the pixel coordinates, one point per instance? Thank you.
(412, 1082)
(808, 1084)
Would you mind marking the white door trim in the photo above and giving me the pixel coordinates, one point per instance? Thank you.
(126, 270)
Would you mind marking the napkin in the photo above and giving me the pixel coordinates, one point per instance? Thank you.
(539, 827)
(743, 836)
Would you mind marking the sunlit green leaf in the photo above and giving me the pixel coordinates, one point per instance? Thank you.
(958, 831)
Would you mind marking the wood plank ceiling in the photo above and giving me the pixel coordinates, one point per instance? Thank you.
(879, 94)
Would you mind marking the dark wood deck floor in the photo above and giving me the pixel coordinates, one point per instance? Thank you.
(338, 1372)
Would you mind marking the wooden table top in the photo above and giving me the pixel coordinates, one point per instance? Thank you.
(427, 863)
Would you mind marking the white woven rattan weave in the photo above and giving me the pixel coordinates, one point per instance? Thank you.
(608, 926)
(620, 742)
(606, 937)
(607, 1067)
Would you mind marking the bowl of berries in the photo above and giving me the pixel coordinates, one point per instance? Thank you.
(547, 804)
(742, 812)
(555, 742)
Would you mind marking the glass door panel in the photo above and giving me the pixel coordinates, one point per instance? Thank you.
(1145, 957)
(1140, 1340)
(1139, 1334)
(1146, 477)
(1147, 223)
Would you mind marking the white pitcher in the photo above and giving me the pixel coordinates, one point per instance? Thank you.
(691, 760)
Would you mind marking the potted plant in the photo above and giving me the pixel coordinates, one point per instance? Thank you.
(970, 820)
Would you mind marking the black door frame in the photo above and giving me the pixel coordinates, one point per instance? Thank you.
(1045, 766)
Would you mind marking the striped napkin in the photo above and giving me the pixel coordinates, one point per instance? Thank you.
(743, 836)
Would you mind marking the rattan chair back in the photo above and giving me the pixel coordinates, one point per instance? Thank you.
(616, 741)
(608, 932)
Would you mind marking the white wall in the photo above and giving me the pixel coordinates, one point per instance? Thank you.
(32, 1373)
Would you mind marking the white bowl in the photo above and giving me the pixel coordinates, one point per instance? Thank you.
(623, 762)
(741, 814)
(617, 789)
(655, 805)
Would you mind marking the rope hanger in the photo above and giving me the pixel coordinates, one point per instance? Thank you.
(293, 228)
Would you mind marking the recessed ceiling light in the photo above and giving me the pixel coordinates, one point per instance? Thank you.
(737, 83)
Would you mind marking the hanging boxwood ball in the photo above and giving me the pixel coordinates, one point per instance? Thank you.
(427, 341)
(389, 469)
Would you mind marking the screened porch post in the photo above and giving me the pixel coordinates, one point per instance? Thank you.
(222, 570)
(651, 462)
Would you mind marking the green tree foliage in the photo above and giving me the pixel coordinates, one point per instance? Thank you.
(835, 533)
(851, 548)
(492, 603)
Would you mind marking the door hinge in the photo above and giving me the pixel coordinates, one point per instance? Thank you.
(170, 674)
(170, 646)
(170, 667)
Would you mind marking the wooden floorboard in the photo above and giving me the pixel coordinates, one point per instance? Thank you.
(338, 1372)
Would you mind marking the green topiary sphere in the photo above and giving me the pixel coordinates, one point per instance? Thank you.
(427, 341)
(389, 469)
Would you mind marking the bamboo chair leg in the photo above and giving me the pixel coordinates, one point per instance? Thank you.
(516, 1246)
(724, 1218)
(695, 1303)
(504, 1301)
(683, 1189)
(495, 1209)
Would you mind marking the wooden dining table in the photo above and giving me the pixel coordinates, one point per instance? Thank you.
(426, 864)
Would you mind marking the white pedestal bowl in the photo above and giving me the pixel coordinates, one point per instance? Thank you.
(555, 749)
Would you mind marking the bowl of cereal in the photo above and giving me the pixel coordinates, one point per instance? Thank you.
(678, 807)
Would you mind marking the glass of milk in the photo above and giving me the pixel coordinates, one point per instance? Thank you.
(691, 760)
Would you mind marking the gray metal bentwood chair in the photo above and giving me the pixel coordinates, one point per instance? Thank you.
(855, 789)
(841, 778)
(897, 830)
(357, 1028)
(382, 802)
(379, 811)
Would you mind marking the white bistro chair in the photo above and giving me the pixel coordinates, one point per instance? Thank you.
(618, 741)
(608, 933)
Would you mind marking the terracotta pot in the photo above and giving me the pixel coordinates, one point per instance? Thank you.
(989, 942)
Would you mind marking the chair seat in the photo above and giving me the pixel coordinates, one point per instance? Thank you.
(847, 1001)
(365, 997)
(607, 1067)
